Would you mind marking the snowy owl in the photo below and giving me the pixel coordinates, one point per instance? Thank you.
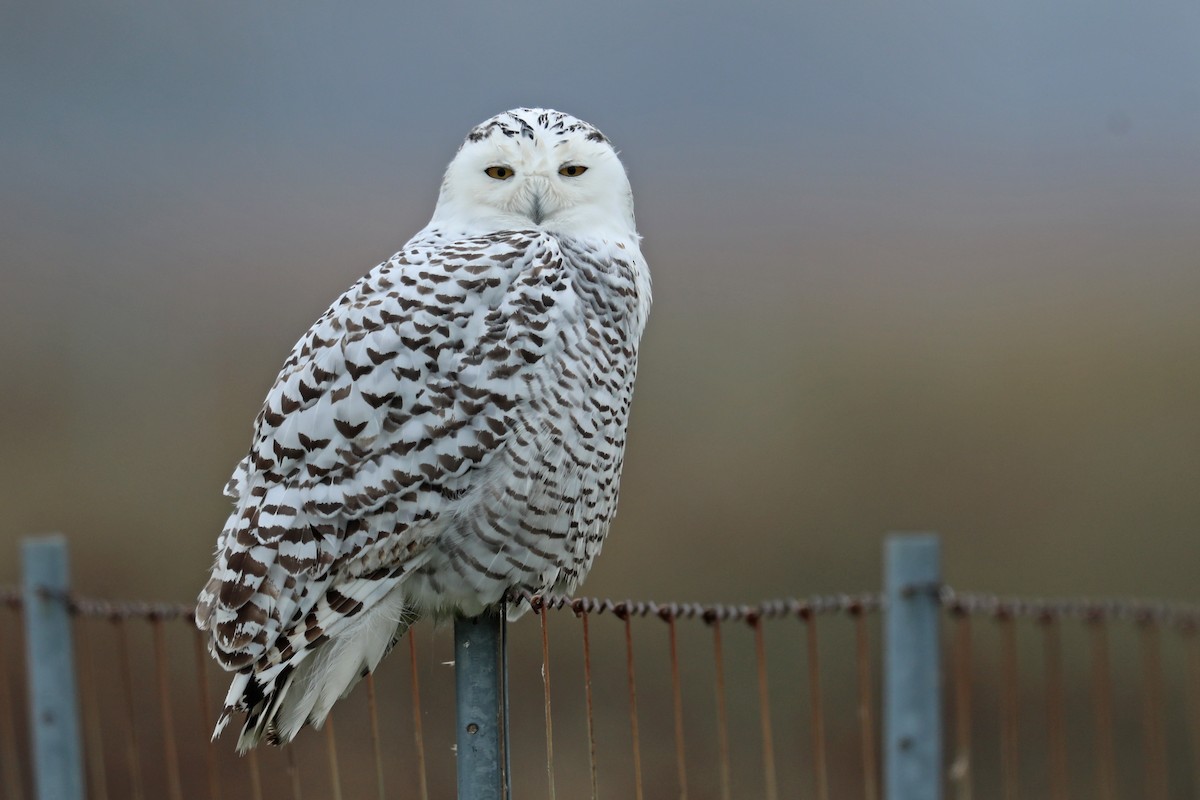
(452, 427)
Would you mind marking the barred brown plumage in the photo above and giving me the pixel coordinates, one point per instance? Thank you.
(453, 427)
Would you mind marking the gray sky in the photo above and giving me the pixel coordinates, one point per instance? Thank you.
(132, 92)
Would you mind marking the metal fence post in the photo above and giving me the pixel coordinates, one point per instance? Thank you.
(481, 682)
(53, 710)
(912, 667)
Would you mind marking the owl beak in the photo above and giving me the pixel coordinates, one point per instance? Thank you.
(537, 199)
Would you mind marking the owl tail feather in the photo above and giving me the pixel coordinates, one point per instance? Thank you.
(259, 697)
(282, 699)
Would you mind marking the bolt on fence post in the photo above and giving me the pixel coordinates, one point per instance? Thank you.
(912, 667)
(53, 709)
(481, 683)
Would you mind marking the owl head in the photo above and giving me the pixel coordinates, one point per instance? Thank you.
(533, 167)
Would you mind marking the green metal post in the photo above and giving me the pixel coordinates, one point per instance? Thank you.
(53, 710)
(481, 678)
(912, 665)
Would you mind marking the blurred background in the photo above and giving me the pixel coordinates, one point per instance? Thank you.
(928, 265)
(924, 266)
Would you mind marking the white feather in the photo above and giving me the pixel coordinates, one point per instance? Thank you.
(331, 673)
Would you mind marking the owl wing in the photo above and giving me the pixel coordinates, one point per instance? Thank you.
(386, 413)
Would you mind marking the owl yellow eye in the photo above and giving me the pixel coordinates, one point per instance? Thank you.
(572, 171)
(499, 173)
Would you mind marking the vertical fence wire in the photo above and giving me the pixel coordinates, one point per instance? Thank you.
(132, 757)
(335, 777)
(770, 780)
(170, 750)
(418, 731)
(1191, 643)
(14, 785)
(1154, 744)
(92, 727)
(820, 759)
(1056, 729)
(293, 771)
(204, 698)
(633, 710)
(376, 747)
(1009, 712)
(255, 774)
(722, 711)
(677, 701)
(1105, 756)
(591, 721)
(866, 706)
(961, 766)
(541, 613)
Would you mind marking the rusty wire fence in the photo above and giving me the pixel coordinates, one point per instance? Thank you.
(622, 699)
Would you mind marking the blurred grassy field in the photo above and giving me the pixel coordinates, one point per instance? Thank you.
(1027, 388)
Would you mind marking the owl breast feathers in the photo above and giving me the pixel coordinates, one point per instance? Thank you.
(452, 427)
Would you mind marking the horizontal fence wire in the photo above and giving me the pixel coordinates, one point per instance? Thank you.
(707, 612)
(1061, 698)
(1181, 615)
